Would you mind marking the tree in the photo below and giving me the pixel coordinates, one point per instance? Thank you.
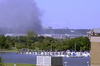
(19, 46)
(37, 44)
(10, 42)
(47, 42)
(2, 41)
(32, 46)
(70, 44)
(86, 43)
(81, 42)
(16, 39)
(43, 47)
(31, 35)
(40, 38)
(22, 39)
(28, 43)
(1, 62)
(2, 44)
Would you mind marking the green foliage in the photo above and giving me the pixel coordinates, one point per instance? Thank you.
(82, 42)
(2, 41)
(9, 42)
(19, 46)
(31, 35)
(37, 44)
(40, 39)
(32, 46)
(37, 49)
(47, 42)
(22, 39)
(33, 42)
(16, 39)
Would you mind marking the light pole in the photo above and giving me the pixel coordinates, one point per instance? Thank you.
(75, 47)
(28, 45)
(51, 48)
(28, 48)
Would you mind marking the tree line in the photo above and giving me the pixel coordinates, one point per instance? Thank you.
(33, 41)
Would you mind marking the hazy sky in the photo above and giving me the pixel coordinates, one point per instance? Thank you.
(81, 14)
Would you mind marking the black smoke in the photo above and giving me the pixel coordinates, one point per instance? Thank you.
(20, 16)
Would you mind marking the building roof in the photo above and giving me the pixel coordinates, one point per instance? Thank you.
(89, 32)
(97, 30)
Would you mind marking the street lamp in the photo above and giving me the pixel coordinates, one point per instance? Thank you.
(51, 48)
(75, 47)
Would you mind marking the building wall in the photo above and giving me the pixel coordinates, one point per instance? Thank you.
(74, 36)
(95, 50)
(14, 35)
(60, 36)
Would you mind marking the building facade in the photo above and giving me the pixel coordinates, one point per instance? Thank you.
(59, 36)
(94, 36)
(14, 35)
(95, 50)
(62, 36)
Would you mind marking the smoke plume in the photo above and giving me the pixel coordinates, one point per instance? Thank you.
(20, 16)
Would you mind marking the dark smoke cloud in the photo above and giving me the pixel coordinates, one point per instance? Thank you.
(20, 16)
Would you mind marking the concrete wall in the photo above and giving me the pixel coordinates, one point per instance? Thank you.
(95, 50)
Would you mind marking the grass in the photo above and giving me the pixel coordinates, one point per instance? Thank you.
(18, 64)
(11, 50)
(14, 49)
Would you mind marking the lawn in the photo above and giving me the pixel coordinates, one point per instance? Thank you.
(11, 50)
(12, 64)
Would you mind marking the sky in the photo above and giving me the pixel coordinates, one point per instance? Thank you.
(74, 14)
